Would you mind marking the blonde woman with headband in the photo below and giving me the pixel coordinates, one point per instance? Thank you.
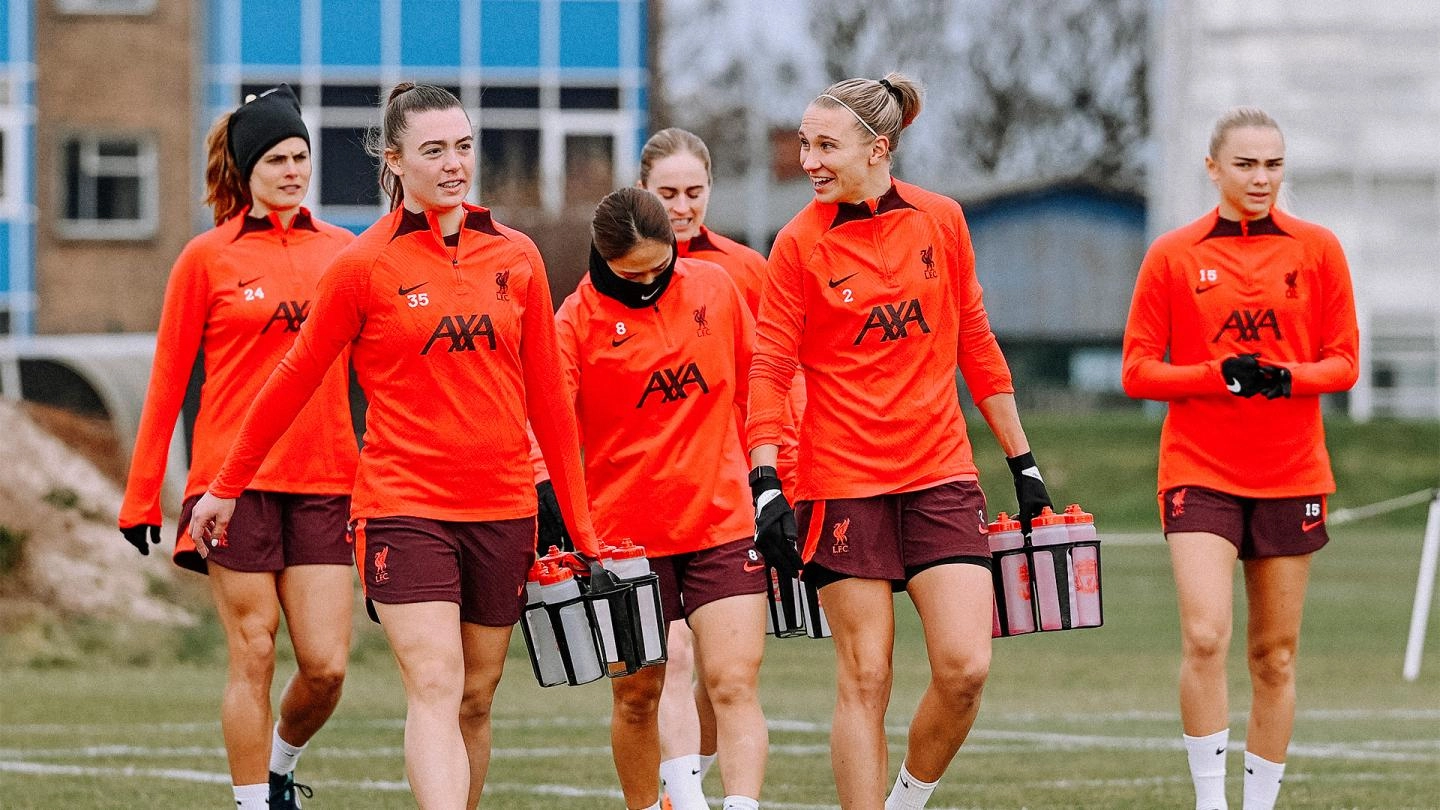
(876, 273)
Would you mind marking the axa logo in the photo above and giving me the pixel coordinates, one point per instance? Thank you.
(840, 534)
(671, 384)
(893, 321)
(927, 258)
(382, 563)
(502, 284)
(1247, 325)
(461, 331)
(289, 313)
(702, 327)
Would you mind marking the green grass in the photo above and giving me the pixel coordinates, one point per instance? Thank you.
(1077, 719)
(1107, 462)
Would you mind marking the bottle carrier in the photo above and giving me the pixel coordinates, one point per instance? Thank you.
(1049, 580)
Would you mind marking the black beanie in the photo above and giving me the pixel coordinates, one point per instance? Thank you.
(262, 122)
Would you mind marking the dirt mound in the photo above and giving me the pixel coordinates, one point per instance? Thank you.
(59, 547)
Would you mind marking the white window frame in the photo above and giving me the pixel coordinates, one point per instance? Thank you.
(12, 190)
(144, 167)
(116, 7)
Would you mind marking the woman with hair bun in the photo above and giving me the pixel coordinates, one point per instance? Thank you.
(872, 289)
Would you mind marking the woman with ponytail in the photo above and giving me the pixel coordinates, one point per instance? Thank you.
(236, 297)
(872, 288)
(448, 315)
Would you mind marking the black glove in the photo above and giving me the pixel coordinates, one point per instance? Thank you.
(1275, 382)
(1030, 493)
(775, 530)
(135, 536)
(1243, 376)
(550, 526)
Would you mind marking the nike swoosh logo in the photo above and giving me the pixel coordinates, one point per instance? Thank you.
(616, 343)
(408, 290)
(1310, 524)
(1199, 289)
(1233, 386)
(1219, 751)
(245, 284)
(695, 772)
(748, 568)
(652, 294)
(837, 282)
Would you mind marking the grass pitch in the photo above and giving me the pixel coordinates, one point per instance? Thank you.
(1076, 719)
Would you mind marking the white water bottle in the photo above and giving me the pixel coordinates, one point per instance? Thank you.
(1048, 529)
(627, 562)
(544, 649)
(1084, 566)
(559, 588)
(1014, 592)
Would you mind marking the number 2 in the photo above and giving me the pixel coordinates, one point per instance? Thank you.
(847, 295)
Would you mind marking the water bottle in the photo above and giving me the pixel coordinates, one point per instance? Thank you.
(561, 594)
(1013, 583)
(540, 634)
(1084, 566)
(627, 562)
(1054, 587)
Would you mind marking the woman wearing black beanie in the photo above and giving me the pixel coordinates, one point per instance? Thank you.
(238, 293)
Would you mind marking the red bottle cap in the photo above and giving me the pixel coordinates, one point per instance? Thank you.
(1004, 523)
(551, 574)
(627, 550)
(1047, 517)
(1074, 514)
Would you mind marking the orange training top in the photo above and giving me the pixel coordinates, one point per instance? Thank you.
(454, 343)
(239, 293)
(747, 269)
(879, 303)
(1215, 288)
(659, 393)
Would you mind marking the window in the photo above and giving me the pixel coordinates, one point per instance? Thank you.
(589, 169)
(348, 175)
(109, 187)
(104, 6)
(510, 168)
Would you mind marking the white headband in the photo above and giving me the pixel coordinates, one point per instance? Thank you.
(869, 128)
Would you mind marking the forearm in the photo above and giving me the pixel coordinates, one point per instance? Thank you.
(1003, 417)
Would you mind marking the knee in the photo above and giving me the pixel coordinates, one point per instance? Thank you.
(1273, 665)
(326, 678)
(867, 683)
(433, 682)
(252, 652)
(961, 678)
(732, 687)
(636, 698)
(475, 707)
(1208, 643)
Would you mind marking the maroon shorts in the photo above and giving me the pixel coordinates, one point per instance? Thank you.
(272, 531)
(1257, 527)
(893, 537)
(480, 566)
(688, 581)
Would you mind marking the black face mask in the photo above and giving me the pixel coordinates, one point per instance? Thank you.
(629, 293)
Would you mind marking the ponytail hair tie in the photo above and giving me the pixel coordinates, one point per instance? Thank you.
(890, 88)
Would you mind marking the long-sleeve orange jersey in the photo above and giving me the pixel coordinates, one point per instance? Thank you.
(1215, 288)
(453, 341)
(239, 292)
(747, 269)
(879, 303)
(659, 393)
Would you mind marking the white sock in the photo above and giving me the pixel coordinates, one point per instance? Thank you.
(740, 803)
(655, 806)
(1262, 782)
(681, 777)
(706, 760)
(282, 754)
(252, 797)
(909, 793)
(1207, 768)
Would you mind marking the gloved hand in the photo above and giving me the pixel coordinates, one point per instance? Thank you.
(135, 536)
(1030, 493)
(550, 526)
(775, 529)
(1275, 382)
(1243, 376)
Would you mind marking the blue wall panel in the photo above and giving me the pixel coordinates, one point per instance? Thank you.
(5, 274)
(430, 33)
(270, 32)
(510, 33)
(589, 33)
(350, 32)
(4, 32)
